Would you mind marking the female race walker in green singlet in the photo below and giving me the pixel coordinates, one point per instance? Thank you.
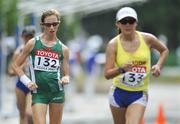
(49, 59)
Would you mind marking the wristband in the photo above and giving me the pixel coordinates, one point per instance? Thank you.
(25, 80)
(121, 70)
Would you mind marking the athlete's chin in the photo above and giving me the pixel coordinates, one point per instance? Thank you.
(128, 32)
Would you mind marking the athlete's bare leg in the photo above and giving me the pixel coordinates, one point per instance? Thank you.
(55, 113)
(28, 108)
(135, 113)
(21, 104)
(118, 114)
(39, 113)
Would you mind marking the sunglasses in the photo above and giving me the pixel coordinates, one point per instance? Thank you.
(49, 24)
(127, 20)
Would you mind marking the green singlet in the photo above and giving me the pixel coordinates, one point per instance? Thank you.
(45, 64)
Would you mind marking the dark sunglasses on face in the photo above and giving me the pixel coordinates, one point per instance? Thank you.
(49, 24)
(127, 20)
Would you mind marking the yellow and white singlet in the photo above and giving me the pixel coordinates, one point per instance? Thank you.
(137, 78)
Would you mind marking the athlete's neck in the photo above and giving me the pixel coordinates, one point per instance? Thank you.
(128, 37)
(49, 38)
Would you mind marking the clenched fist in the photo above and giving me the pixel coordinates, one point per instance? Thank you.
(64, 80)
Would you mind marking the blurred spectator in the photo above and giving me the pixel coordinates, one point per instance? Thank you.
(93, 45)
(23, 96)
(75, 61)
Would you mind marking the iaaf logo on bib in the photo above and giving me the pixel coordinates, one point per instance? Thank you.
(49, 54)
(138, 69)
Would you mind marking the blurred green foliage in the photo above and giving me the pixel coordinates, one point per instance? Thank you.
(161, 17)
(68, 30)
(172, 59)
(8, 16)
(155, 16)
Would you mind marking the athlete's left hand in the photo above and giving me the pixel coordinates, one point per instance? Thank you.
(156, 71)
(32, 86)
(64, 80)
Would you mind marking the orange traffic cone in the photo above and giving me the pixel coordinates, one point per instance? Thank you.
(143, 122)
(161, 118)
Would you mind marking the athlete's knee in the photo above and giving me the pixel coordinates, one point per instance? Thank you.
(22, 114)
(132, 121)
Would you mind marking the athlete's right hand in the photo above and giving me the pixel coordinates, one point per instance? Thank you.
(127, 66)
(32, 86)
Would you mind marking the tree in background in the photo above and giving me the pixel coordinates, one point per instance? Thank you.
(161, 17)
(8, 17)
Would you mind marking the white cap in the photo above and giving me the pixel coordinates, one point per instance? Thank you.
(126, 12)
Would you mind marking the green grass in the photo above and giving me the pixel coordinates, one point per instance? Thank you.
(166, 79)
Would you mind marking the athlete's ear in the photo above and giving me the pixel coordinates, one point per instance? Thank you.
(41, 23)
(117, 24)
(42, 27)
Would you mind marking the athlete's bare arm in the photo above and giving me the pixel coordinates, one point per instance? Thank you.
(65, 64)
(10, 69)
(156, 44)
(14, 57)
(110, 70)
(21, 58)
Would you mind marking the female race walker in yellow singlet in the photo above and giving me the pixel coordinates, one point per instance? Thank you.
(128, 59)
